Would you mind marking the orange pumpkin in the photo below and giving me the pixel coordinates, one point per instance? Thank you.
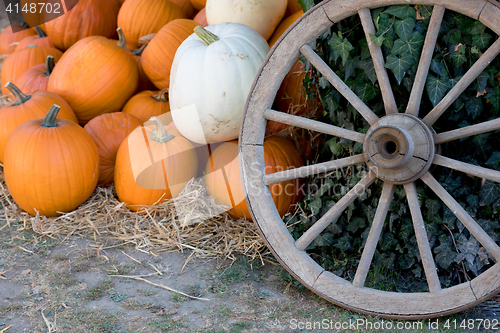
(9, 39)
(291, 98)
(292, 7)
(138, 18)
(36, 77)
(199, 4)
(153, 163)
(283, 26)
(157, 58)
(201, 17)
(19, 61)
(96, 76)
(41, 39)
(87, 18)
(144, 82)
(222, 175)
(147, 104)
(28, 107)
(108, 132)
(50, 178)
(186, 6)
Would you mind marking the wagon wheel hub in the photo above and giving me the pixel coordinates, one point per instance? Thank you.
(399, 148)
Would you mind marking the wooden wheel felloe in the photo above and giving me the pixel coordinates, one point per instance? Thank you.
(399, 148)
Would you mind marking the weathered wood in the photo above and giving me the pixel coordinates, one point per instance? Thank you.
(463, 83)
(333, 213)
(378, 62)
(270, 225)
(464, 217)
(422, 239)
(487, 126)
(490, 16)
(487, 283)
(313, 125)
(340, 9)
(374, 235)
(314, 169)
(417, 90)
(277, 64)
(385, 304)
(467, 168)
(338, 84)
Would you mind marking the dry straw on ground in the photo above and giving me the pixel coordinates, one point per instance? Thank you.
(191, 221)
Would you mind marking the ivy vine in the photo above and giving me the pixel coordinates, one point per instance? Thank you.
(401, 32)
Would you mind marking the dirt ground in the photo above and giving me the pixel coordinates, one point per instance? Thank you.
(101, 285)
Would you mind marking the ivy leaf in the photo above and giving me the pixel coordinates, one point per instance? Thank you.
(481, 41)
(350, 65)
(355, 224)
(480, 82)
(399, 65)
(494, 161)
(474, 106)
(388, 241)
(402, 12)
(413, 46)
(438, 67)
(379, 40)
(325, 239)
(335, 146)
(369, 68)
(306, 4)
(342, 46)
(444, 255)
(432, 206)
(494, 96)
(406, 261)
(489, 193)
(344, 243)
(404, 28)
(458, 57)
(365, 90)
(436, 88)
(365, 50)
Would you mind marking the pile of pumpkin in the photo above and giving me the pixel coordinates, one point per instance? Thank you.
(89, 109)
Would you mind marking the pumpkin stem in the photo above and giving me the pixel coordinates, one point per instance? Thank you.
(49, 63)
(40, 32)
(139, 51)
(161, 134)
(50, 118)
(205, 35)
(20, 97)
(122, 41)
(162, 96)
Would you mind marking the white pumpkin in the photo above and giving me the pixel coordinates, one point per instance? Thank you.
(211, 78)
(260, 15)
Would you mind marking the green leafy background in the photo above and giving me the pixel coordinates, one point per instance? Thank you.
(401, 33)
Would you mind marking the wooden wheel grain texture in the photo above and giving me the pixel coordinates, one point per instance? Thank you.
(399, 148)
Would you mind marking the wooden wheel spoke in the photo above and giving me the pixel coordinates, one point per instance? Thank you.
(425, 60)
(487, 126)
(313, 125)
(338, 84)
(378, 62)
(374, 235)
(464, 82)
(309, 170)
(422, 240)
(334, 212)
(474, 228)
(467, 168)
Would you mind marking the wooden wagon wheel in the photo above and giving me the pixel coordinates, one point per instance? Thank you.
(399, 148)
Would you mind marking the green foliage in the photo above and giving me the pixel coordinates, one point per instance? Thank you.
(401, 34)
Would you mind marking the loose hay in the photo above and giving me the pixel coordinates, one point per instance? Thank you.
(191, 221)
